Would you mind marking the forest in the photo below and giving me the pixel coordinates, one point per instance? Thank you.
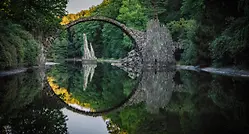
(213, 33)
(24, 32)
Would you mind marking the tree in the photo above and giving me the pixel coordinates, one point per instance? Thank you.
(131, 13)
(17, 46)
(41, 17)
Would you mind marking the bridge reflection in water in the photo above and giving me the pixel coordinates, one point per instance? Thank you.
(149, 84)
(156, 102)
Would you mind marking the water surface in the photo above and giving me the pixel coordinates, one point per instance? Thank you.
(80, 98)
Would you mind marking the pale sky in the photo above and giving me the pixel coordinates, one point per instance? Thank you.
(75, 6)
(82, 124)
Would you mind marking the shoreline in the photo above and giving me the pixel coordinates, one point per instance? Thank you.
(225, 71)
(97, 60)
(13, 71)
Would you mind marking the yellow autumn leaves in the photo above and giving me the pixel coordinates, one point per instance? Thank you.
(65, 95)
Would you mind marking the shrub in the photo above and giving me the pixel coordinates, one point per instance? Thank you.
(230, 47)
(17, 46)
(184, 32)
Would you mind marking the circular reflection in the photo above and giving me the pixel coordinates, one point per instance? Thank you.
(91, 89)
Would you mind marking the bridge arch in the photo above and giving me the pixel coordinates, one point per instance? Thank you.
(133, 34)
(61, 102)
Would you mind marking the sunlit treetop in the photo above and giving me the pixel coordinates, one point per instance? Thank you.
(83, 13)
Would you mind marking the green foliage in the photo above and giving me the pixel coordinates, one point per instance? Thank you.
(27, 21)
(93, 30)
(211, 32)
(18, 47)
(19, 91)
(108, 87)
(131, 12)
(220, 51)
(22, 106)
(228, 48)
(129, 118)
(184, 31)
(189, 56)
(108, 8)
(112, 41)
(108, 41)
(154, 7)
(59, 48)
(164, 10)
(41, 16)
(193, 8)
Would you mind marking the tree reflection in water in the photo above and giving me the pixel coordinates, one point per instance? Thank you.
(197, 103)
(164, 102)
(24, 106)
(103, 86)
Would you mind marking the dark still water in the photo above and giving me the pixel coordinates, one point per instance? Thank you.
(101, 99)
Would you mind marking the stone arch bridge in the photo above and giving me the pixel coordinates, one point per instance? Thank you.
(153, 47)
(135, 35)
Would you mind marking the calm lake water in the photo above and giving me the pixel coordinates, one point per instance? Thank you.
(80, 98)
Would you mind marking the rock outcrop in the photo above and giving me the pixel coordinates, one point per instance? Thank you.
(88, 54)
(158, 49)
(132, 64)
(88, 71)
(155, 50)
